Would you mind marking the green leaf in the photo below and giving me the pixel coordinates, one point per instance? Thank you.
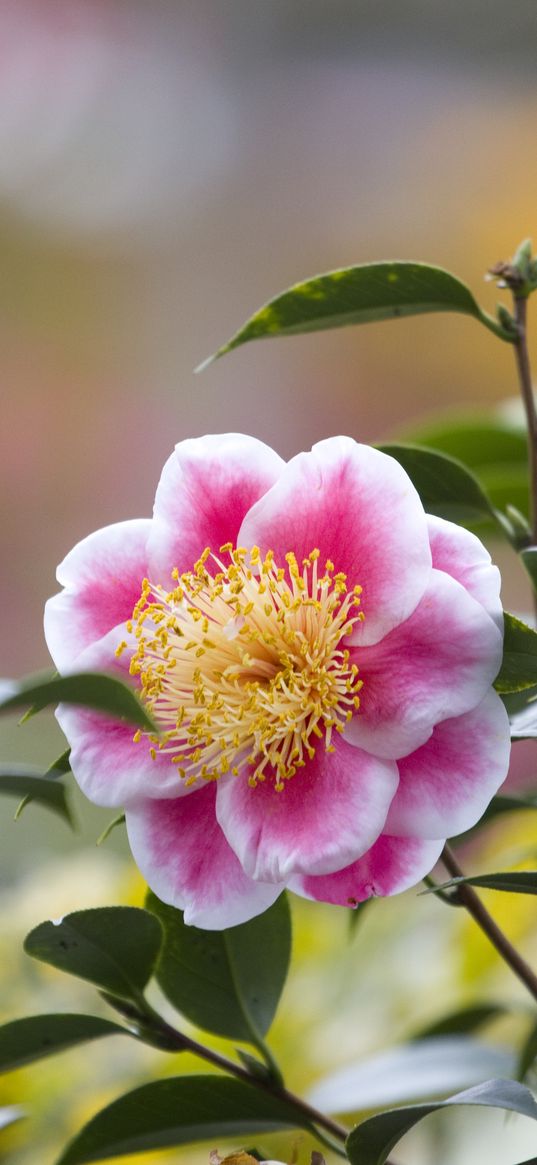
(522, 712)
(519, 663)
(512, 882)
(25, 1040)
(474, 439)
(90, 689)
(529, 558)
(9, 1114)
(463, 1021)
(360, 295)
(114, 947)
(119, 819)
(228, 981)
(415, 1071)
(528, 1054)
(372, 1141)
(21, 781)
(61, 765)
(493, 450)
(179, 1111)
(445, 486)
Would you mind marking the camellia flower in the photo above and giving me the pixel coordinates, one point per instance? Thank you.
(317, 654)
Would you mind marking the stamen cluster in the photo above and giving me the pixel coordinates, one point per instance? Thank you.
(243, 665)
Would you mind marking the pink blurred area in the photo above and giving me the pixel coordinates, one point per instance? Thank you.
(166, 168)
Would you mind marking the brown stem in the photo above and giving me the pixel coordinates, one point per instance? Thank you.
(468, 897)
(176, 1041)
(526, 389)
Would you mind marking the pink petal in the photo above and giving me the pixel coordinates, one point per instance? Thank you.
(447, 784)
(206, 487)
(109, 766)
(184, 856)
(460, 554)
(391, 865)
(102, 577)
(360, 509)
(438, 664)
(326, 816)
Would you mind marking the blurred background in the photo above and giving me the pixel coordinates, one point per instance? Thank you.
(165, 168)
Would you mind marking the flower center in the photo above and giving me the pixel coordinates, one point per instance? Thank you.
(243, 665)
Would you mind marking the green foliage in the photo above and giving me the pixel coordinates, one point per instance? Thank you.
(179, 1111)
(512, 882)
(372, 1141)
(463, 1021)
(529, 558)
(493, 450)
(228, 982)
(361, 295)
(445, 486)
(522, 711)
(89, 689)
(114, 947)
(25, 1040)
(528, 1054)
(31, 785)
(519, 663)
(61, 765)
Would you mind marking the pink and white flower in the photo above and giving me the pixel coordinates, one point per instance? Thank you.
(318, 654)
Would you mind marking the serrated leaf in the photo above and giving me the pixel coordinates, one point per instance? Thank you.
(445, 486)
(462, 1021)
(417, 1070)
(228, 982)
(23, 782)
(360, 295)
(179, 1111)
(94, 690)
(519, 662)
(512, 882)
(372, 1141)
(114, 947)
(528, 1054)
(32, 1038)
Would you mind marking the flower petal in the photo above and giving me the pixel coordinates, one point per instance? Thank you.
(109, 766)
(360, 509)
(438, 664)
(102, 577)
(460, 554)
(185, 858)
(392, 865)
(328, 814)
(206, 487)
(447, 784)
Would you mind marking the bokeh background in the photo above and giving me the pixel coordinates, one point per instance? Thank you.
(166, 167)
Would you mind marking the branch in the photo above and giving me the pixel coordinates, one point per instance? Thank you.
(468, 898)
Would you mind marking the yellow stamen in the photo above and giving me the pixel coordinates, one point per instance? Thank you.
(241, 685)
